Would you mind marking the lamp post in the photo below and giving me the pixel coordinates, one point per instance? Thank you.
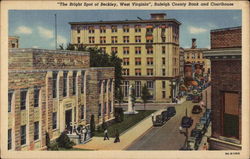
(172, 90)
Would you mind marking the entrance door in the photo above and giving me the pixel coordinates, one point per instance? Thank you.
(68, 120)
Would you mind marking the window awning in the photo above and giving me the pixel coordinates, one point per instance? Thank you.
(149, 37)
(149, 26)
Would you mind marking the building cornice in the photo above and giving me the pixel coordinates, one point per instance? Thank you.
(227, 53)
(33, 50)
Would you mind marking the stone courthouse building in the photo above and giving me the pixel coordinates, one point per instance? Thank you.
(226, 78)
(149, 49)
(50, 90)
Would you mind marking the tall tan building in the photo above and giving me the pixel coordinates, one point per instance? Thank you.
(13, 42)
(149, 50)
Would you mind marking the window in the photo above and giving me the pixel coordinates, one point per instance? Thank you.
(163, 39)
(163, 28)
(149, 39)
(150, 84)
(113, 39)
(125, 72)
(110, 85)
(23, 95)
(65, 79)
(113, 28)
(99, 109)
(149, 28)
(102, 39)
(150, 50)
(91, 39)
(100, 86)
(137, 61)
(91, 29)
(54, 84)
(82, 112)
(163, 94)
(137, 28)
(150, 72)
(125, 61)
(163, 61)
(137, 39)
(54, 120)
(23, 135)
(137, 50)
(82, 82)
(102, 29)
(10, 94)
(125, 50)
(78, 30)
(163, 72)
(138, 88)
(36, 130)
(126, 39)
(105, 86)
(138, 72)
(150, 61)
(9, 139)
(110, 106)
(126, 28)
(36, 96)
(125, 88)
(78, 40)
(103, 49)
(74, 82)
(105, 108)
(163, 49)
(163, 84)
(114, 50)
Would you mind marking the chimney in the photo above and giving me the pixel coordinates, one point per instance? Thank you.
(158, 16)
(193, 43)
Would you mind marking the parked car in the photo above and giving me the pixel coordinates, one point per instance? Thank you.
(196, 98)
(197, 134)
(171, 111)
(165, 116)
(158, 121)
(192, 144)
(201, 127)
(186, 122)
(189, 97)
(196, 109)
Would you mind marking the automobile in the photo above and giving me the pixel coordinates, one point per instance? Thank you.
(171, 111)
(192, 144)
(196, 109)
(186, 122)
(165, 116)
(158, 121)
(189, 97)
(196, 99)
(201, 127)
(197, 134)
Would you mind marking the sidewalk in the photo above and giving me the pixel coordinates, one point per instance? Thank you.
(127, 138)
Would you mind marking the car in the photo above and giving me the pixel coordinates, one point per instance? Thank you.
(192, 144)
(197, 134)
(189, 97)
(165, 116)
(196, 99)
(196, 109)
(201, 127)
(158, 121)
(171, 111)
(186, 122)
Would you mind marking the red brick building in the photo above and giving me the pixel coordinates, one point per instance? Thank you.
(225, 56)
(54, 90)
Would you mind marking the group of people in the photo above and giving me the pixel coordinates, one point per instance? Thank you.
(82, 132)
(117, 135)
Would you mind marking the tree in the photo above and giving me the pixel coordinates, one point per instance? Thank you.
(92, 125)
(145, 95)
(133, 97)
(64, 141)
(119, 95)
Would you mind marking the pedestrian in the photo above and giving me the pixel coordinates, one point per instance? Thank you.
(84, 133)
(205, 147)
(117, 138)
(153, 117)
(106, 134)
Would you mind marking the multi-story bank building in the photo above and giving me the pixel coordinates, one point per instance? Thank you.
(149, 50)
(54, 90)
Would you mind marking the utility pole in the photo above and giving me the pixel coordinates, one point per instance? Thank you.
(55, 33)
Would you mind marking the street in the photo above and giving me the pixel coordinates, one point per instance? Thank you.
(166, 137)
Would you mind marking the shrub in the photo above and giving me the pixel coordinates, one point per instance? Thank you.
(53, 146)
(92, 125)
(119, 116)
(47, 140)
(64, 141)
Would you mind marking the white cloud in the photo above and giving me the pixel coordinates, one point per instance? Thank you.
(211, 25)
(196, 30)
(61, 40)
(35, 47)
(208, 47)
(23, 30)
(45, 33)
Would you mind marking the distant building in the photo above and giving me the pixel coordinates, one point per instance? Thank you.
(182, 63)
(13, 42)
(54, 90)
(149, 49)
(226, 63)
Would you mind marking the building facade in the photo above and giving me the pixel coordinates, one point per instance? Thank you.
(54, 90)
(226, 63)
(149, 50)
(13, 42)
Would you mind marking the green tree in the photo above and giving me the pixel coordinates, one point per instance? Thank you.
(145, 95)
(119, 96)
(133, 97)
(92, 125)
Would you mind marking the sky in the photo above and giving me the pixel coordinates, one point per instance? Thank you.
(36, 27)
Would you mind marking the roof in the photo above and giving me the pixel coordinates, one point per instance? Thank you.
(226, 29)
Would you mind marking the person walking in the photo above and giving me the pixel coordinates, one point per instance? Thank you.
(117, 136)
(106, 134)
(84, 133)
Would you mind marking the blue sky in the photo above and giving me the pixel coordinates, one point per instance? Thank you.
(36, 27)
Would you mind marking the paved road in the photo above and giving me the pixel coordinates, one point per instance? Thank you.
(166, 137)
